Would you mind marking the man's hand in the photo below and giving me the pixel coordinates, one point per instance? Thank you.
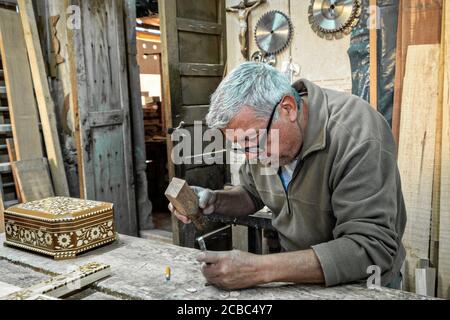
(231, 270)
(206, 201)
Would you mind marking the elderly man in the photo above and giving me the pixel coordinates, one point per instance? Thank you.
(336, 200)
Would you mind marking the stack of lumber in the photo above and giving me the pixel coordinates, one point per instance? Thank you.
(424, 156)
(8, 195)
(31, 118)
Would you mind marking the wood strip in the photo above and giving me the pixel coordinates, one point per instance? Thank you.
(201, 69)
(414, 15)
(199, 26)
(373, 53)
(2, 207)
(62, 285)
(33, 179)
(417, 150)
(44, 98)
(444, 229)
(22, 105)
(13, 158)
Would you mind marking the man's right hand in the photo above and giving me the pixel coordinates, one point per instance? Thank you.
(207, 200)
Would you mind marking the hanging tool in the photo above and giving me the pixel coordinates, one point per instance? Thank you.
(332, 19)
(273, 32)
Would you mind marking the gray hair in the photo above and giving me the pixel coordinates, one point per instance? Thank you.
(253, 84)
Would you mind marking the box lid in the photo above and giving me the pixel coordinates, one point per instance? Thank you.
(59, 209)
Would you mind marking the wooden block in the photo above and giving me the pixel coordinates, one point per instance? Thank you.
(44, 98)
(62, 285)
(444, 220)
(413, 16)
(417, 150)
(33, 179)
(19, 85)
(185, 201)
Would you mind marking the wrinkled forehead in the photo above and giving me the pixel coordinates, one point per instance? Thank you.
(244, 126)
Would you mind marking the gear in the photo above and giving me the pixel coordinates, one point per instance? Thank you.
(273, 32)
(332, 19)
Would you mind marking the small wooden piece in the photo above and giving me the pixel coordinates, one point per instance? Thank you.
(185, 201)
(33, 179)
(62, 285)
(425, 279)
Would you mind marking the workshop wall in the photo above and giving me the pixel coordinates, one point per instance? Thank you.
(317, 57)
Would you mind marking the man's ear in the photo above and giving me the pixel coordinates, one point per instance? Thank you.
(289, 108)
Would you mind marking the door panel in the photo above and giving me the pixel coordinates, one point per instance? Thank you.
(203, 10)
(105, 165)
(194, 58)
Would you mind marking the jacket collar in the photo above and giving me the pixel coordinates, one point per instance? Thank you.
(315, 138)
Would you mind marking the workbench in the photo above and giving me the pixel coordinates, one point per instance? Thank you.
(138, 273)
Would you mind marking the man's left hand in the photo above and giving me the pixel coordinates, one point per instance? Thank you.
(231, 270)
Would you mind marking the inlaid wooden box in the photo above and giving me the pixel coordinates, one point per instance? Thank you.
(60, 227)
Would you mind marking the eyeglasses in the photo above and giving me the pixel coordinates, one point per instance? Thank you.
(260, 147)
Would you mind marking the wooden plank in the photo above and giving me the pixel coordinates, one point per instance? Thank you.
(2, 207)
(22, 105)
(199, 69)
(33, 179)
(44, 98)
(105, 119)
(13, 158)
(5, 128)
(444, 221)
(62, 285)
(373, 44)
(143, 204)
(413, 16)
(417, 150)
(199, 26)
(170, 79)
(5, 168)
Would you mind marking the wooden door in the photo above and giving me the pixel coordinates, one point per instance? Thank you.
(193, 34)
(105, 163)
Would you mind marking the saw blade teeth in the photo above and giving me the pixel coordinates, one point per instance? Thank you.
(271, 40)
(351, 13)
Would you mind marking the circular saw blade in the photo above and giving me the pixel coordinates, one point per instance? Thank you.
(332, 18)
(273, 32)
